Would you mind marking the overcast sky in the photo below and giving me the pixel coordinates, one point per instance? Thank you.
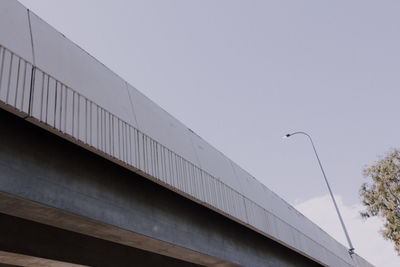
(243, 73)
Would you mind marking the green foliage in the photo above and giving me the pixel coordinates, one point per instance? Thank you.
(380, 195)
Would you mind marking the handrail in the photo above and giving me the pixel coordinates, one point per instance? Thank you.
(58, 106)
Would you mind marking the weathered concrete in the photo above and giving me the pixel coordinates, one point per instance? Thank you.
(77, 190)
(51, 82)
(33, 244)
(15, 259)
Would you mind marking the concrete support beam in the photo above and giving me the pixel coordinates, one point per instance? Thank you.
(28, 243)
(15, 259)
(49, 180)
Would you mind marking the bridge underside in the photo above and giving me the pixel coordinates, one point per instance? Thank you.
(61, 202)
(20, 236)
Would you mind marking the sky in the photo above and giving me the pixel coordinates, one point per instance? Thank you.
(243, 73)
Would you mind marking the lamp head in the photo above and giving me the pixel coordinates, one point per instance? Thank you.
(286, 136)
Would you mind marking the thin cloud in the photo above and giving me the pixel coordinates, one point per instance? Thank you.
(364, 234)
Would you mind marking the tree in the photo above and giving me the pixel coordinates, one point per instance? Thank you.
(380, 195)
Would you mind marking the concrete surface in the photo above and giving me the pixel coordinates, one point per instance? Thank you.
(48, 179)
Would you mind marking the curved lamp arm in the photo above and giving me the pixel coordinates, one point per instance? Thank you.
(351, 248)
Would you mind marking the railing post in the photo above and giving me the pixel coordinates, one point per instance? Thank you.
(31, 89)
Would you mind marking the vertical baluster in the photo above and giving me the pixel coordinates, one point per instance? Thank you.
(144, 152)
(2, 66)
(109, 130)
(9, 77)
(47, 97)
(55, 105)
(154, 159)
(73, 112)
(65, 108)
(113, 136)
(126, 143)
(91, 123)
(157, 162)
(61, 106)
(31, 91)
(86, 120)
(104, 130)
(16, 88)
(101, 129)
(78, 115)
(23, 86)
(130, 145)
(137, 151)
(41, 98)
(97, 127)
(164, 164)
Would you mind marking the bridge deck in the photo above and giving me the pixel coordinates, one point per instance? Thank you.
(48, 80)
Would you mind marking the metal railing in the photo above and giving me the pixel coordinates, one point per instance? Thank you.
(15, 80)
(41, 97)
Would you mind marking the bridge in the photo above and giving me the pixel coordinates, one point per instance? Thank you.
(94, 173)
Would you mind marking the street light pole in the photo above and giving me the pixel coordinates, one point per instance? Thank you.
(351, 248)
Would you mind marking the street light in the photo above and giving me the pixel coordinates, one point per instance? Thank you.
(351, 249)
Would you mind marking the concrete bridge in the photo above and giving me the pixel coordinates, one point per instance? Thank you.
(94, 173)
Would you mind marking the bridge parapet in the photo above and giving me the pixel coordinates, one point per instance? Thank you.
(53, 83)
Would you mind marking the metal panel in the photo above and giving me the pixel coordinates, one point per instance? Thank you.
(217, 194)
(285, 233)
(249, 186)
(361, 262)
(241, 212)
(15, 80)
(255, 216)
(161, 126)
(70, 65)
(199, 187)
(214, 162)
(14, 29)
(73, 93)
